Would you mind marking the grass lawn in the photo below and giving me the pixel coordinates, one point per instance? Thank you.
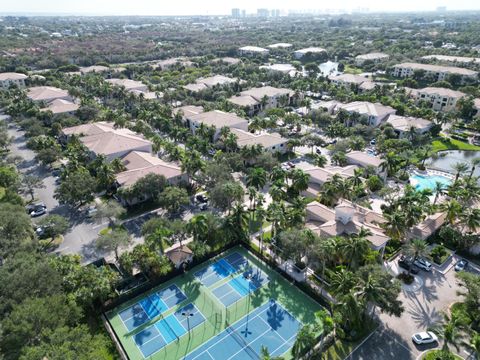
(217, 316)
(139, 209)
(349, 69)
(342, 348)
(437, 354)
(441, 144)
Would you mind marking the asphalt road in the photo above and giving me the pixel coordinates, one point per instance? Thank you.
(82, 233)
(423, 309)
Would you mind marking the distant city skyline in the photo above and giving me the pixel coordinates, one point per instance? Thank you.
(190, 7)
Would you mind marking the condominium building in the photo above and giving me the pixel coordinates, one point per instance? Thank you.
(438, 72)
(441, 99)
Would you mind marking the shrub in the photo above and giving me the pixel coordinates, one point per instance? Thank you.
(405, 278)
(438, 254)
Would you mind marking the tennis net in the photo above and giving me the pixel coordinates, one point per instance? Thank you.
(170, 328)
(238, 338)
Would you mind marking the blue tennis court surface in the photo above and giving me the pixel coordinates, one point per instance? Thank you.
(168, 329)
(151, 306)
(269, 325)
(221, 269)
(240, 286)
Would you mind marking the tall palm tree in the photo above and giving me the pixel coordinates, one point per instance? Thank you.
(438, 190)
(355, 247)
(453, 209)
(394, 225)
(276, 215)
(198, 227)
(325, 250)
(451, 330)
(257, 178)
(474, 162)
(265, 354)
(470, 219)
(415, 249)
(460, 169)
(342, 281)
(305, 341)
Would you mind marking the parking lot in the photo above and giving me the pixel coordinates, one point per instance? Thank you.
(423, 309)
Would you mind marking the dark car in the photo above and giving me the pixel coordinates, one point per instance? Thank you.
(202, 198)
(34, 207)
(406, 264)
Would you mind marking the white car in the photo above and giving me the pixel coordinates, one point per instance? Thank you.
(426, 337)
(423, 264)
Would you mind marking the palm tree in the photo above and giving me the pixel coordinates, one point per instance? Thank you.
(342, 281)
(438, 190)
(394, 225)
(474, 163)
(355, 247)
(257, 178)
(470, 218)
(452, 209)
(415, 249)
(300, 180)
(460, 168)
(451, 330)
(276, 215)
(198, 227)
(474, 344)
(305, 341)
(324, 250)
(265, 354)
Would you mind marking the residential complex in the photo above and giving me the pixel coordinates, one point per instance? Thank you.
(437, 72)
(7, 79)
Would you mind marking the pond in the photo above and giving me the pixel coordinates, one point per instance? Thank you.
(447, 159)
(329, 68)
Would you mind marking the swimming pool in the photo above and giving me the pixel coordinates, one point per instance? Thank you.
(422, 182)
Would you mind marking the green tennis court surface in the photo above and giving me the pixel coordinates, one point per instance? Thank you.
(226, 308)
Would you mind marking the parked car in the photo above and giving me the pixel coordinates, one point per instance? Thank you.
(318, 151)
(425, 337)
(32, 207)
(91, 211)
(203, 207)
(202, 199)
(461, 265)
(291, 164)
(423, 264)
(406, 264)
(38, 212)
(373, 142)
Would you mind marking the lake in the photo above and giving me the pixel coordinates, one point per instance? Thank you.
(447, 159)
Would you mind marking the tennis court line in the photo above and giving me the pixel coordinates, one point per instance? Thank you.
(286, 342)
(248, 344)
(211, 357)
(281, 337)
(164, 299)
(225, 330)
(231, 291)
(178, 337)
(154, 338)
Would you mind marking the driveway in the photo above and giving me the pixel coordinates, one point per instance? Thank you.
(423, 309)
(82, 233)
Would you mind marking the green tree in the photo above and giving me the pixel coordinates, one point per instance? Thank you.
(30, 319)
(110, 210)
(257, 178)
(304, 342)
(70, 343)
(113, 241)
(54, 225)
(30, 183)
(226, 194)
(173, 198)
(16, 229)
(416, 248)
(76, 189)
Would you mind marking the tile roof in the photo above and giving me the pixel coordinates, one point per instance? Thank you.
(217, 119)
(93, 68)
(89, 129)
(139, 164)
(260, 92)
(113, 142)
(245, 138)
(279, 45)
(243, 100)
(128, 84)
(253, 49)
(188, 110)
(372, 56)
(440, 92)
(437, 68)
(349, 78)
(60, 106)
(461, 59)
(12, 76)
(404, 123)
(46, 93)
(364, 158)
(368, 108)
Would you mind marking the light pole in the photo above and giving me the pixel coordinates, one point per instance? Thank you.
(188, 315)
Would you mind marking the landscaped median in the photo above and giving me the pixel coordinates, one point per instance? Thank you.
(440, 355)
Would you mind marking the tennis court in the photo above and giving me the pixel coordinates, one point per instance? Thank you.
(221, 269)
(151, 306)
(168, 329)
(238, 305)
(240, 286)
(269, 325)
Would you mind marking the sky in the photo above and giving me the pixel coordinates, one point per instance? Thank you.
(219, 7)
